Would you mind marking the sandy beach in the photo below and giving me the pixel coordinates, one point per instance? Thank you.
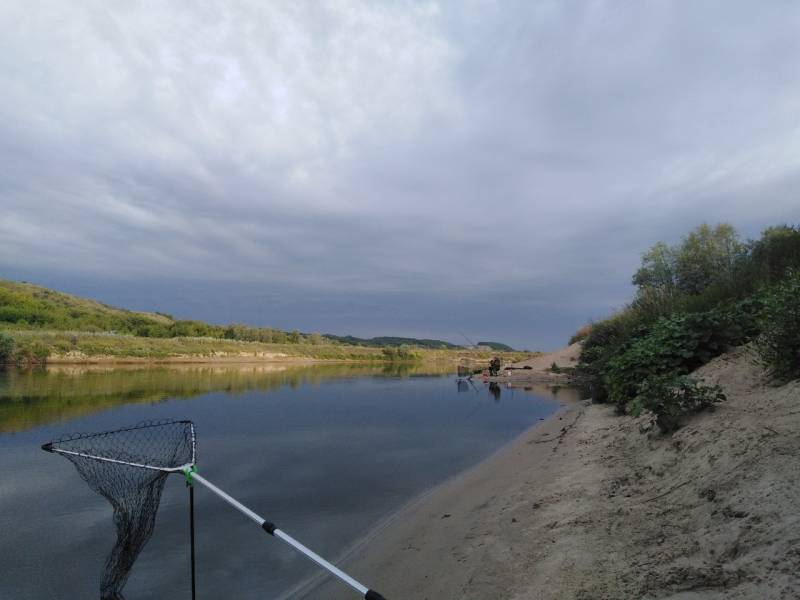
(587, 506)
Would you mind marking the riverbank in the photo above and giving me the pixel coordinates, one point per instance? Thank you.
(587, 506)
(75, 348)
(552, 367)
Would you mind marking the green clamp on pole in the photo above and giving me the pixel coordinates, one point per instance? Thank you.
(188, 474)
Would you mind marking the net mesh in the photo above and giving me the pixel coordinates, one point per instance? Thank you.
(128, 467)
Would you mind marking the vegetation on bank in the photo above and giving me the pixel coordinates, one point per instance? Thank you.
(37, 323)
(66, 346)
(29, 307)
(694, 301)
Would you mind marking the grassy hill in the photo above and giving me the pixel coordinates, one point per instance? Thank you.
(28, 306)
(39, 322)
(497, 346)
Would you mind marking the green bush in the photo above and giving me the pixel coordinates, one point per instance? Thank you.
(400, 353)
(779, 342)
(695, 300)
(582, 333)
(6, 348)
(31, 353)
(677, 345)
(670, 397)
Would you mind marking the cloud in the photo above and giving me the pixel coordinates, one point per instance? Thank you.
(433, 153)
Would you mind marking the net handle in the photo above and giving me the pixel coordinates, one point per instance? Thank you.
(366, 593)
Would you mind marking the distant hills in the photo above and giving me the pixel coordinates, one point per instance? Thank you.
(391, 341)
(27, 306)
(497, 346)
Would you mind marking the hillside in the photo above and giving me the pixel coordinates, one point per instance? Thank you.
(25, 306)
(388, 341)
(38, 324)
(497, 346)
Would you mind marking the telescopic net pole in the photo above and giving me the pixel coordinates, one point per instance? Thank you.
(270, 528)
(191, 533)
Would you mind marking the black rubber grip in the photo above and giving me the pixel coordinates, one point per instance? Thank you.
(373, 595)
(268, 527)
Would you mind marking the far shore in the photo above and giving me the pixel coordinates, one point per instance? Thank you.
(37, 347)
(282, 359)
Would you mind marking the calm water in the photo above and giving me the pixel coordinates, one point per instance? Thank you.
(324, 452)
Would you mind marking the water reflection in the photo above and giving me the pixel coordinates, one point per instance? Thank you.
(299, 444)
(34, 397)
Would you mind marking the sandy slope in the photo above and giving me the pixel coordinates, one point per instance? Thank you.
(564, 358)
(585, 506)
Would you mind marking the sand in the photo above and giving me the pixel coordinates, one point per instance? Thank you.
(586, 506)
(539, 368)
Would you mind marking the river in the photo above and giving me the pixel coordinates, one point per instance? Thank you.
(326, 452)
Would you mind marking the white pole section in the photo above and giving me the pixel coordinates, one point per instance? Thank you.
(270, 528)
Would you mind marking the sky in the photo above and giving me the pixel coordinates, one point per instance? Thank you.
(457, 170)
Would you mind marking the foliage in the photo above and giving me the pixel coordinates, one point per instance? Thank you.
(399, 353)
(580, 335)
(675, 345)
(554, 368)
(27, 307)
(779, 342)
(669, 397)
(24, 306)
(6, 348)
(706, 256)
(694, 300)
(31, 352)
(774, 255)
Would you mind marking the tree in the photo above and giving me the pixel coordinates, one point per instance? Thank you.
(707, 256)
(658, 268)
(775, 253)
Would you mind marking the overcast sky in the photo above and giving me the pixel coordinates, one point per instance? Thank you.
(387, 167)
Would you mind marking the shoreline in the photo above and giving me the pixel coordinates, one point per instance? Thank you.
(419, 512)
(205, 360)
(588, 505)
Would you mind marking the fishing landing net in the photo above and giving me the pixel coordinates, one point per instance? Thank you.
(129, 467)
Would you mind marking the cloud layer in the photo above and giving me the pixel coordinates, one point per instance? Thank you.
(398, 168)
